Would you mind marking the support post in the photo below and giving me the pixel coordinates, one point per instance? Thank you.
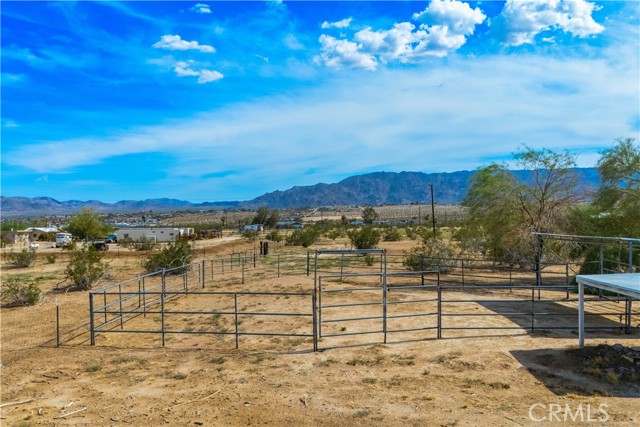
(162, 306)
(120, 303)
(91, 321)
(439, 308)
(57, 322)
(580, 315)
(235, 311)
(202, 274)
(384, 301)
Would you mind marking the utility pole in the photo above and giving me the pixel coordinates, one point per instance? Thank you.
(433, 211)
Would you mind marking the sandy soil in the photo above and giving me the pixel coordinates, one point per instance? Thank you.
(498, 379)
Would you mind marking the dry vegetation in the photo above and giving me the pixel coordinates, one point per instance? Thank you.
(487, 379)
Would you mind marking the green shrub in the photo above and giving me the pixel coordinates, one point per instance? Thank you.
(85, 267)
(16, 290)
(274, 236)
(51, 259)
(176, 254)
(304, 237)
(365, 238)
(433, 254)
(142, 244)
(392, 235)
(22, 259)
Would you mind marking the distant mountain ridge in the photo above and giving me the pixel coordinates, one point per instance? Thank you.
(378, 188)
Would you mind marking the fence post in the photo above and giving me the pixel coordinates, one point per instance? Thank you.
(243, 262)
(631, 257)
(105, 305)
(533, 301)
(91, 322)
(308, 263)
(162, 306)
(601, 260)
(120, 303)
(384, 303)
(566, 275)
(144, 299)
(278, 257)
(202, 274)
(235, 310)
(439, 308)
(314, 320)
(57, 322)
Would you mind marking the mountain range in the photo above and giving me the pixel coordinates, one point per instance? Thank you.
(378, 188)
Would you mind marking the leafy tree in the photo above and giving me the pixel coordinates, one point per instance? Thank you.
(87, 224)
(618, 198)
(176, 254)
(503, 212)
(266, 217)
(369, 215)
(366, 237)
(85, 267)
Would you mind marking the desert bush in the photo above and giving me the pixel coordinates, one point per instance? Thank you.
(335, 233)
(16, 291)
(364, 238)
(432, 254)
(142, 244)
(274, 236)
(304, 237)
(392, 235)
(51, 259)
(85, 267)
(22, 259)
(175, 254)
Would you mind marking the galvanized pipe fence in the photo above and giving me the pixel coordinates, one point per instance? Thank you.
(355, 294)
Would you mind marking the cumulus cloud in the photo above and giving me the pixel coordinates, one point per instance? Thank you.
(175, 42)
(444, 27)
(201, 8)
(521, 20)
(344, 23)
(184, 69)
(343, 53)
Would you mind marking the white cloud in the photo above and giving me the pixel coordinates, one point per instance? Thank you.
(292, 42)
(343, 53)
(184, 69)
(457, 17)
(201, 8)
(175, 42)
(444, 29)
(522, 20)
(10, 124)
(344, 23)
(444, 118)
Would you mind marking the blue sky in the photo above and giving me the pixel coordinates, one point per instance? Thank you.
(210, 101)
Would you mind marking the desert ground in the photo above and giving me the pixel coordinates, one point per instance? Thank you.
(467, 378)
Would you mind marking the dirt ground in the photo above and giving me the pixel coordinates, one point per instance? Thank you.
(515, 378)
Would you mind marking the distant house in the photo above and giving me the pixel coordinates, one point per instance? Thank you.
(253, 227)
(289, 224)
(159, 234)
(28, 235)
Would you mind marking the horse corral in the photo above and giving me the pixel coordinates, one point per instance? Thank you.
(333, 337)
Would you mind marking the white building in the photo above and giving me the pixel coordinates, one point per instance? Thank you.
(159, 234)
